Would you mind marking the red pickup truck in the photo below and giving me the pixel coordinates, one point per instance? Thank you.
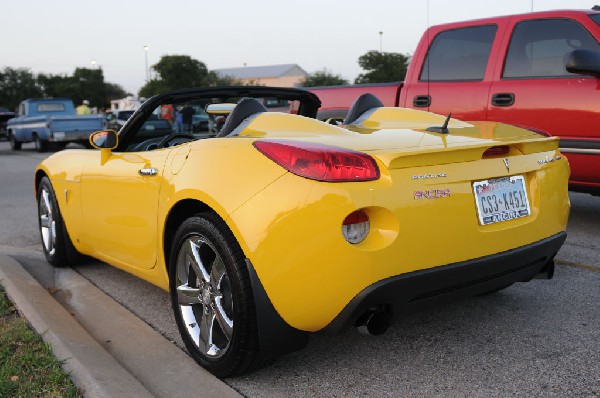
(538, 70)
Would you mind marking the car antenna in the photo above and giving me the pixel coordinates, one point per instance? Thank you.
(596, 8)
(443, 129)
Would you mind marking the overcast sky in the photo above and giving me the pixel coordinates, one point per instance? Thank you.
(58, 36)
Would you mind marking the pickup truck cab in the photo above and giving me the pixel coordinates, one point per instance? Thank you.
(537, 70)
(48, 120)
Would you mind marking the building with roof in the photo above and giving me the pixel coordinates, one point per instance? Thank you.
(287, 75)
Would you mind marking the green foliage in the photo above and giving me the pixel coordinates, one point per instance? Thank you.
(181, 71)
(16, 85)
(382, 67)
(217, 80)
(19, 84)
(323, 78)
(27, 366)
(153, 87)
(114, 91)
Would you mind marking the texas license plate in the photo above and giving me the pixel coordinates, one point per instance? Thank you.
(501, 199)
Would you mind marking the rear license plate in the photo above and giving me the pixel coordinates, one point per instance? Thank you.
(501, 199)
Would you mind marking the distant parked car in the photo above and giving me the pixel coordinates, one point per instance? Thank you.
(5, 115)
(116, 119)
(199, 120)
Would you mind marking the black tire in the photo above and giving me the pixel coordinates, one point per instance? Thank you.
(56, 243)
(14, 144)
(40, 145)
(214, 311)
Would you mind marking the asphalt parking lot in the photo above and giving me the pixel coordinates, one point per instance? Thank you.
(536, 339)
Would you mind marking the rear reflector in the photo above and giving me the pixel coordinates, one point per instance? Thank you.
(496, 151)
(355, 227)
(320, 162)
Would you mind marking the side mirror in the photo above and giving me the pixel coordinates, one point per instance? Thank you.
(584, 62)
(107, 139)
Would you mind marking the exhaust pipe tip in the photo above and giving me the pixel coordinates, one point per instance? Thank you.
(374, 323)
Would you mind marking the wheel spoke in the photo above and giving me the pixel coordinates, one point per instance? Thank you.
(45, 221)
(187, 313)
(187, 295)
(52, 230)
(193, 251)
(223, 319)
(217, 273)
(206, 332)
(47, 204)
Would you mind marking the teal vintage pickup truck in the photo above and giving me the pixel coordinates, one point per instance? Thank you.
(51, 120)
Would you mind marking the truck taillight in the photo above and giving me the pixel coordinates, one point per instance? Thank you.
(320, 162)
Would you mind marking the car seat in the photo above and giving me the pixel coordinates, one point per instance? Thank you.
(245, 108)
(363, 104)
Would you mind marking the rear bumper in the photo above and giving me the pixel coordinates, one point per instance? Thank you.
(420, 289)
(411, 291)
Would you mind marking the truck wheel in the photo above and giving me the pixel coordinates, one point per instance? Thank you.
(14, 144)
(212, 298)
(40, 145)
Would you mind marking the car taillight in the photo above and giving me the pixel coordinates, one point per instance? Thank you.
(496, 151)
(355, 227)
(320, 162)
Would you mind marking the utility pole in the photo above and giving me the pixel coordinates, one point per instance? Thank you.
(146, 59)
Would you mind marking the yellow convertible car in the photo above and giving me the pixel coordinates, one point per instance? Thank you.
(281, 225)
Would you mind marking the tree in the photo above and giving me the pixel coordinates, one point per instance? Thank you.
(17, 84)
(153, 87)
(323, 78)
(89, 84)
(181, 71)
(114, 91)
(84, 84)
(382, 67)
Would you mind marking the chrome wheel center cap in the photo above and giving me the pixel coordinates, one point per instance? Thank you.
(206, 296)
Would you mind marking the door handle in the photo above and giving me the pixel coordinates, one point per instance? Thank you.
(151, 171)
(421, 101)
(503, 99)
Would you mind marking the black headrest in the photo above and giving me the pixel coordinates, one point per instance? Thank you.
(364, 103)
(244, 108)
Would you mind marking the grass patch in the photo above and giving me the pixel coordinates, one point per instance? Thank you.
(27, 366)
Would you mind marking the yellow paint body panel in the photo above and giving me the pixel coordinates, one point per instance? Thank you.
(290, 227)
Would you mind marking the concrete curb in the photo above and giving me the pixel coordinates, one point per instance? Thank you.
(159, 364)
(109, 351)
(92, 369)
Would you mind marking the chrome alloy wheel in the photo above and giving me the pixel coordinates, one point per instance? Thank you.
(47, 222)
(204, 296)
